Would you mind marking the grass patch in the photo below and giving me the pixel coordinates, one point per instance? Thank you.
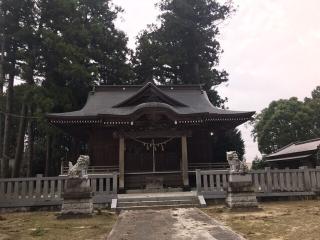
(44, 225)
(277, 221)
(39, 231)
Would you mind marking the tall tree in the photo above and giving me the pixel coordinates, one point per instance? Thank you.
(60, 49)
(286, 121)
(184, 49)
(29, 52)
(2, 75)
(13, 13)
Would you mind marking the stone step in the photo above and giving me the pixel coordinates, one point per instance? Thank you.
(165, 190)
(156, 196)
(161, 202)
(157, 200)
(157, 207)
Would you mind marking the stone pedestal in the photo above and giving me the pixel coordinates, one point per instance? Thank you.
(240, 193)
(77, 198)
(154, 183)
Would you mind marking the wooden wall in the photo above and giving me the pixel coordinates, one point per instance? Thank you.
(103, 148)
(199, 150)
(104, 151)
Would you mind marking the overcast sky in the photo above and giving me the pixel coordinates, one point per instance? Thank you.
(271, 51)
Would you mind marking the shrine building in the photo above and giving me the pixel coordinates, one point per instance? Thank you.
(150, 131)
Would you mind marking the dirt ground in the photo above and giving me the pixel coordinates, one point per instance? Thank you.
(44, 225)
(277, 221)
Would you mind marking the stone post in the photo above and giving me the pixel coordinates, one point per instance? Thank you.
(121, 164)
(306, 178)
(269, 179)
(185, 174)
(77, 194)
(240, 192)
(198, 180)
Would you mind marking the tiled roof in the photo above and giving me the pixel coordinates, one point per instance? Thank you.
(181, 99)
(295, 148)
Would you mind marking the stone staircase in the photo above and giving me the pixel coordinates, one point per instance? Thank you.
(157, 201)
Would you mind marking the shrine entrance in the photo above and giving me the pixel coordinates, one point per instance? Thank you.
(152, 163)
(152, 155)
(144, 159)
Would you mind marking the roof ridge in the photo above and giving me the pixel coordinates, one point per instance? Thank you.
(280, 149)
(171, 87)
(307, 141)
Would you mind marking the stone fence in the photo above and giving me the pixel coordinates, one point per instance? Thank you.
(46, 191)
(212, 184)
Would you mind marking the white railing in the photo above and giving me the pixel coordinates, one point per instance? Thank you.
(267, 182)
(45, 191)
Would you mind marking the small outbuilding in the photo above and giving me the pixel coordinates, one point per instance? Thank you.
(295, 155)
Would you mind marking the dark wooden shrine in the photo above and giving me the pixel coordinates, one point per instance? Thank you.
(149, 131)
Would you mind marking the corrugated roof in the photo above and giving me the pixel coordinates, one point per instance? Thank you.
(297, 147)
(104, 101)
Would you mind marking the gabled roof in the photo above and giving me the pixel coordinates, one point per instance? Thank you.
(149, 93)
(296, 148)
(125, 100)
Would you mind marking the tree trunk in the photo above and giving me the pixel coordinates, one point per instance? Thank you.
(2, 43)
(20, 139)
(1, 135)
(1, 93)
(7, 127)
(30, 156)
(48, 155)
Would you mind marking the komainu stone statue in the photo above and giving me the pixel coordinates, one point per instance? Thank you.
(77, 194)
(240, 193)
(236, 165)
(80, 169)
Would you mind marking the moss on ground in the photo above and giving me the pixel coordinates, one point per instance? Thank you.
(278, 220)
(44, 225)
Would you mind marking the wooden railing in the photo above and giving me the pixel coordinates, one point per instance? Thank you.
(46, 191)
(267, 182)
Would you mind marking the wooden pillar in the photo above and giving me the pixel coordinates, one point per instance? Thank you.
(185, 174)
(121, 163)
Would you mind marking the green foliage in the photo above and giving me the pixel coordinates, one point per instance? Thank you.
(286, 121)
(230, 140)
(258, 164)
(38, 232)
(184, 48)
(82, 47)
(59, 49)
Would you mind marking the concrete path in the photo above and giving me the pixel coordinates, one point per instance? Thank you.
(175, 224)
